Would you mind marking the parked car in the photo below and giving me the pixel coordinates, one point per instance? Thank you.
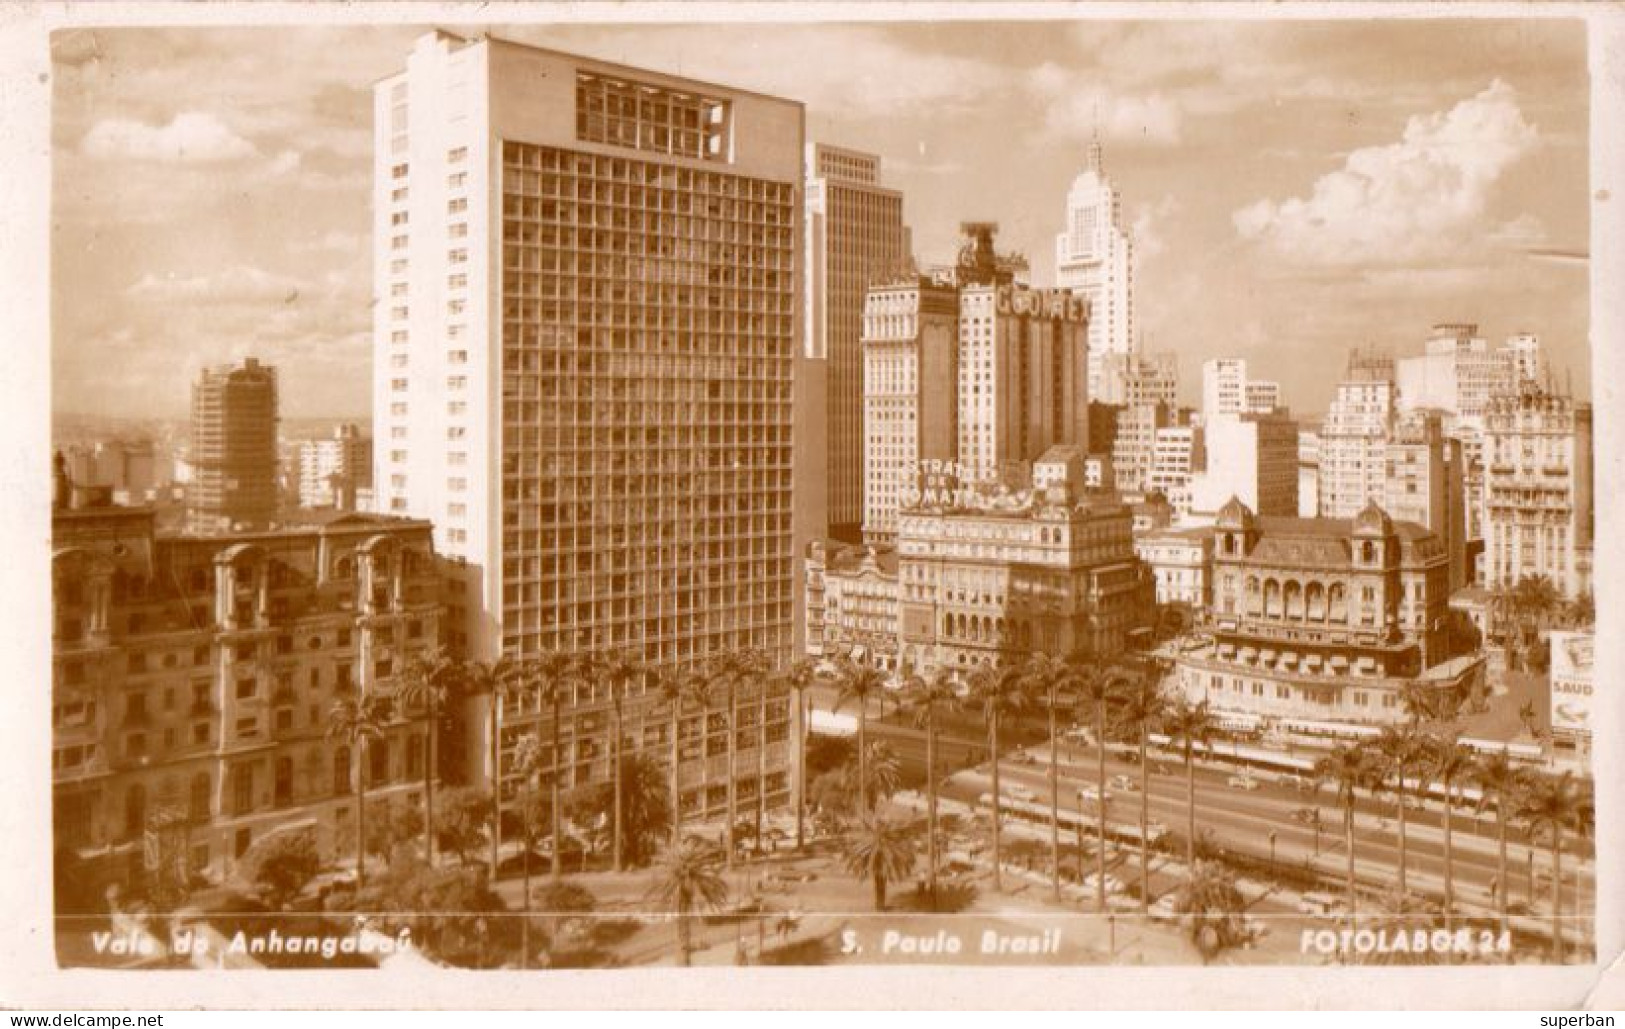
(1320, 904)
(1242, 782)
(1113, 884)
(1165, 908)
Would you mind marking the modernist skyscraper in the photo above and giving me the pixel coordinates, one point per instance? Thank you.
(1094, 256)
(855, 238)
(585, 350)
(234, 449)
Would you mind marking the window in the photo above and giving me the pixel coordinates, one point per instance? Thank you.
(456, 357)
(457, 180)
(458, 256)
(246, 688)
(398, 385)
(458, 231)
(398, 172)
(457, 155)
(398, 195)
(458, 281)
(248, 728)
(398, 408)
(457, 382)
(456, 407)
(398, 218)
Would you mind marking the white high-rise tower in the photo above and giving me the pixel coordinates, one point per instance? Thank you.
(1094, 255)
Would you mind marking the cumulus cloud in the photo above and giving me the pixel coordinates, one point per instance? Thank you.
(1076, 106)
(1422, 197)
(191, 136)
(1148, 227)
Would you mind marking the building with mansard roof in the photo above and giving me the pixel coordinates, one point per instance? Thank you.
(1319, 620)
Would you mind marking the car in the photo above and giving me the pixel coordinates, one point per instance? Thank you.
(1124, 783)
(1166, 908)
(1242, 782)
(1092, 794)
(1113, 884)
(1320, 904)
(1306, 815)
(1017, 791)
(1021, 757)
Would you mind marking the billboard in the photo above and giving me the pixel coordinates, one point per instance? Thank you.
(1571, 682)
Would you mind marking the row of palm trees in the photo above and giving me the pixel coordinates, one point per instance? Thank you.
(433, 680)
(1127, 701)
(1408, 760)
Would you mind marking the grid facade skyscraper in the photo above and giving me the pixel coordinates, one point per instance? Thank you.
(234, 449)
(586, 349)
(855, 238)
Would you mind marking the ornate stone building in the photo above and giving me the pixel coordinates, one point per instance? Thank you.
(194, 679)
(1324, 619)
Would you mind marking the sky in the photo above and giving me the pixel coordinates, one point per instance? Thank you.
(1295, 189)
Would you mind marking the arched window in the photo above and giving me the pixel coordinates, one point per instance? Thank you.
(1368, 552)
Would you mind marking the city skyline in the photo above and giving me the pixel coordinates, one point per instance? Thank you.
(1444, 232)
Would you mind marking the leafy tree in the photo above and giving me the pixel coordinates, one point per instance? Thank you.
(281, 865)
(1401, 913)
(391, 825)
(645, 807)
(687, 882)
(465, 818)
(1211, 906)
(827, 753)
(881, 852)
(561, 902)
(453, 913)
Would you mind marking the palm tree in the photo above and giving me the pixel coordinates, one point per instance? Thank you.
(925, 694)
(1398, 913)
(619, 671)
(731, 670)
(996, 690)
(858, 682)
(1097, 691)
(687, 881)
(1403, 750)
(358, 722)
(1140, 707)
(551, 677)
(1552, 804)
(672, 686)
(1348, 768)
(1448, 764)
(1500, 782)
(799, 678)
(881, 852)
(427, 681)
(1048, 676)
(1190, 724)
(527, 759)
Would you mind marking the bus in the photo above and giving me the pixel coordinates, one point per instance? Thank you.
(1070, 820)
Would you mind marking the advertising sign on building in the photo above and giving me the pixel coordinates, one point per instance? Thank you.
(1571, 682)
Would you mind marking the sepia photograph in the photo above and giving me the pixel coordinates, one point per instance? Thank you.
(1061, 489)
